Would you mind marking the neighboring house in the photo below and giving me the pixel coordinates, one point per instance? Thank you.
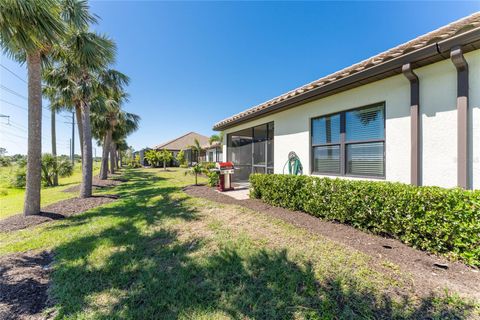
(213, 152)
(410, 114)
(184, 143)
(141, 156)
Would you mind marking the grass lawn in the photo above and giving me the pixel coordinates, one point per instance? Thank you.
(158, 253)
(11, 199)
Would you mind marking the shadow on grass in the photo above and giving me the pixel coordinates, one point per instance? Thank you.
(158, 274)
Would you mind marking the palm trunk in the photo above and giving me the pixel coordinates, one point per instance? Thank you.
(118, 159)
(112, 157)
(78, 113)
(86, 186)
(105, 151)
(34, 154)
(54, 147)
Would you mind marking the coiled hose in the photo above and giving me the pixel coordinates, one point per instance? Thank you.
(294, 165)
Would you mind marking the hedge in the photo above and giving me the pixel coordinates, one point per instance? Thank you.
(438, 220)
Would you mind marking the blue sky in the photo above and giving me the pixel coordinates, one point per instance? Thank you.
(195, 63)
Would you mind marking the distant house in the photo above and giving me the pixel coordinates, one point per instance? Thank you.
(141, 154)
(213, 152)
(410, 114)
(184, 143)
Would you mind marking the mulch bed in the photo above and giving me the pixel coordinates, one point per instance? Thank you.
(97, 184)
(24, 285)
(429, 272)
(56, 211)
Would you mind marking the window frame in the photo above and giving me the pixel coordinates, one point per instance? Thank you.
(343, 144)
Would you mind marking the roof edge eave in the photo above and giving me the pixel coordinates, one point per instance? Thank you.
(429, 54)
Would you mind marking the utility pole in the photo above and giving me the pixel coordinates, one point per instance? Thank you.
(72, 140)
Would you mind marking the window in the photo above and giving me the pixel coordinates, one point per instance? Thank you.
(350, 143)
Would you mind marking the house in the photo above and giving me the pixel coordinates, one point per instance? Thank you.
(141, 155)
(213, 152)
(410, 114)
(184, 143)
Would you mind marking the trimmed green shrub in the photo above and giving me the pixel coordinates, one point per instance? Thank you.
(19, 178)
(213, 178)
(438, 220)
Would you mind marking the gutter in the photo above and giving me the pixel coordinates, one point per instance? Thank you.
(432, 53)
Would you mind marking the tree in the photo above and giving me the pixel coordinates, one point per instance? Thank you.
(111, 84)
(165, 156)
(111, 125)
(153, 157)
(195, 170)
(84, 55)
(3, 151)
(196, 148)
(56, 104)
(28, 30)
(216, 138)
(127, 124)
(181, 158)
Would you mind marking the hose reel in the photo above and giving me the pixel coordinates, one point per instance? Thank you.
(294, 165)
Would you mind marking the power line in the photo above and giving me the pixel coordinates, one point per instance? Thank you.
(13, 92)
(18, 125)
(12, 134)
(16, 75)
(24, 108)
(13, 104)
(45, 137)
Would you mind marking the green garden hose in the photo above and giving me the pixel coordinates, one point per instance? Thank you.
(294, 164)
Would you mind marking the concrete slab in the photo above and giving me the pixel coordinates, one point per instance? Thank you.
(239, 193)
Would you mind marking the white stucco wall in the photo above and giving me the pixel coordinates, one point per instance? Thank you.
(473, 59)
(438, 108)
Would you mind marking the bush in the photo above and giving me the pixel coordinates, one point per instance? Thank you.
(213, 178)
(444, 221)
(5, 161)
(181, 159)
(209, 165)
(55, 166)
(134, 162)
(19, 178)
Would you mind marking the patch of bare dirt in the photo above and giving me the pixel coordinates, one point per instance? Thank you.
(97, 184)
(56, 211)
(430, 273)
(24, 284)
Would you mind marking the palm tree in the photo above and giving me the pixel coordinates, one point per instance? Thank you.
(216, 138)
(112, 83)
(110, 123)
(195, 171)
(196, 148)
(56, 104)
(28, 30)
(84, 55)
(127, 124)
(104, 118)
(122, 148)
